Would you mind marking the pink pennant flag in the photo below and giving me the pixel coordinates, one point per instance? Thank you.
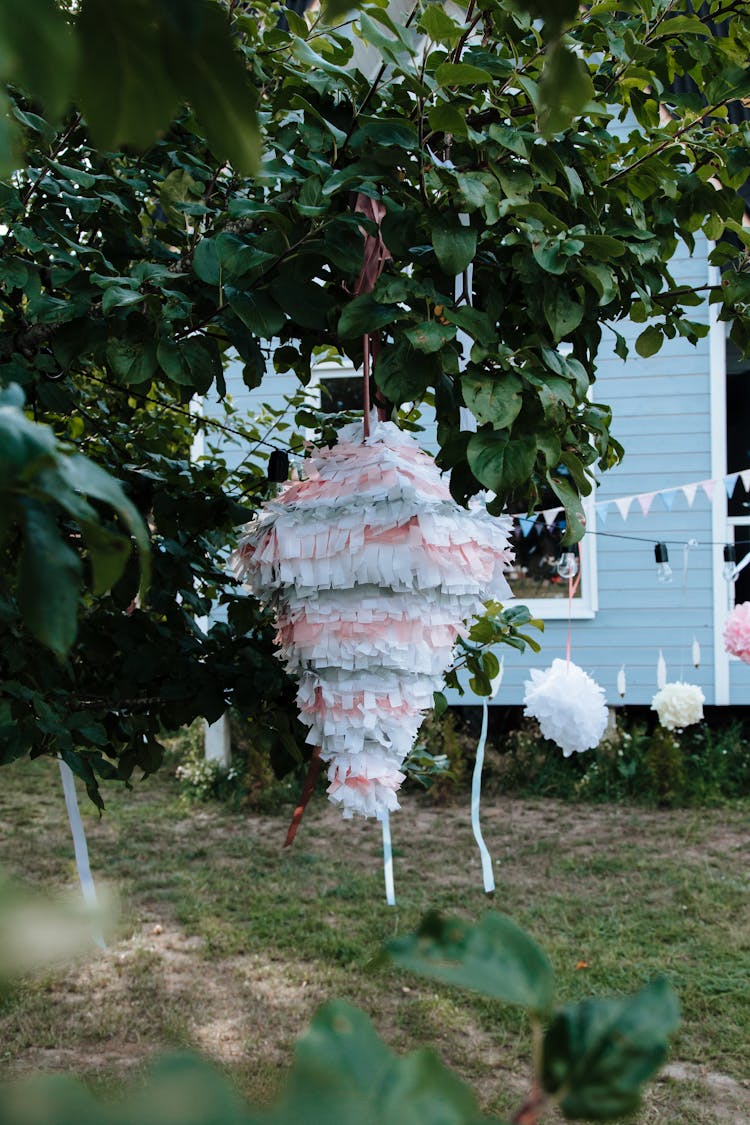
(730, 483)
(709, 487)
(645, 500)
(689, 491)
(623, 505)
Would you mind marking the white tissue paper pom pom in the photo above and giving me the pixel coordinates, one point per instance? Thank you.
(678, 705)
(568, 705)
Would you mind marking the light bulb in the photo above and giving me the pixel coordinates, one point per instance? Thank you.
(567, 565)
(730, 563)
(664, 573)
(663, 569)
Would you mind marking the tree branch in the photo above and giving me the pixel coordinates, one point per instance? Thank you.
(666, 143)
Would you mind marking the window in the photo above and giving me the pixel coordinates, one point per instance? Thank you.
(534, 578)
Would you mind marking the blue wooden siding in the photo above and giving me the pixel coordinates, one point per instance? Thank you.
(662, 417)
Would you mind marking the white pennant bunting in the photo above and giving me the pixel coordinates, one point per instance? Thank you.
(689, 491)
(623, 505)
(745, 478)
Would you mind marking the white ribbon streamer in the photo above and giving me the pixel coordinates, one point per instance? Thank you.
(476, 788)
(79, 844)
(390, 893)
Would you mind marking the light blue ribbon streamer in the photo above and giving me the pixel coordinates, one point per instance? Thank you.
(390, 893)
(79, 845)
(476, 789)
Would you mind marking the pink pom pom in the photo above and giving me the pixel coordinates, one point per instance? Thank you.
(737, 632)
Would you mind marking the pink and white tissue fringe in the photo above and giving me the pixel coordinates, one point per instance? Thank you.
(737, 632)
(372, 569)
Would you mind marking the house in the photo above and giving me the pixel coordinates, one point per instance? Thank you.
(681, 416)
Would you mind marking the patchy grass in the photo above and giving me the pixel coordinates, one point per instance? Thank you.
(228, 943)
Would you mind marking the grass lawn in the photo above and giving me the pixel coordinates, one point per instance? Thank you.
(228, 944)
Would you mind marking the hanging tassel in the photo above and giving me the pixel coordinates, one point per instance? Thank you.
(622, 684)
(696, 653)
(390, 893)
(661, 671)
(80, 847)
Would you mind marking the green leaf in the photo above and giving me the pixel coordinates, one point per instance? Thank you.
(565, 89)
(430, 335)
(343, 1072)
(49, 580)
(575, 516)
(108, 554)
(455, 245)
(499, 463)
(603, 280)
(126, 93)
(364, 314)
(84, 475)
(211, 75)
(650, 341)
(41, 51)
(562, 313)
(206, 261)
(440, 703)
(491, 665)
(448, 118)
(404, 374)
(600, 1052)
(436, 23)
(462, 74)
(116, 297)
(132, 361)
(493, 399)
(258, 311)
(494, 957)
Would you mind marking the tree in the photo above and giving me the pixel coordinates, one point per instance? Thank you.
(127, 277)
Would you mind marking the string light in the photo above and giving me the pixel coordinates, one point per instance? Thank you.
(663, 569)
(567, 564)
(730, 562)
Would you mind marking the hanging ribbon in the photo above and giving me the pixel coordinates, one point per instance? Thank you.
(476, 789)
(80, 847)
(390, 893)
(366, 383)
(572, 589)
(313, 772)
